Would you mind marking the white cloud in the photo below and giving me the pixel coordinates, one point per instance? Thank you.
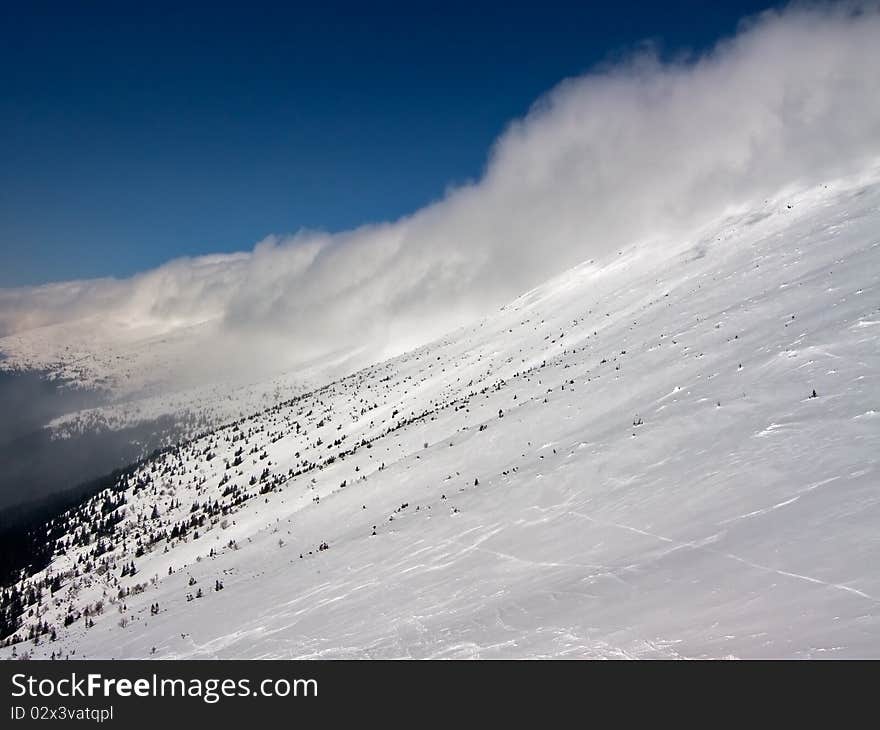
(640, 149)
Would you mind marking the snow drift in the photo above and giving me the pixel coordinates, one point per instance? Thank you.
(644, 149)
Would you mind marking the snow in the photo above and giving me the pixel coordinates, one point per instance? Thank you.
(142, 374)
(654, 477)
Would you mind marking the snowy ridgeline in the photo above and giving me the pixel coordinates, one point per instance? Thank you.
(625, 462)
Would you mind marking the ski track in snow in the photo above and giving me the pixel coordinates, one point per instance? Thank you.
(702, 546)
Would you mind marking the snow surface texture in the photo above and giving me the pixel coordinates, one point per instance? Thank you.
(624, 462)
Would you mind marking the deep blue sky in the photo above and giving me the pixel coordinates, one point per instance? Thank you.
(131, 133)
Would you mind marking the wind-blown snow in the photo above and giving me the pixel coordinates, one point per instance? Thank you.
(636, 150)
(623, 462)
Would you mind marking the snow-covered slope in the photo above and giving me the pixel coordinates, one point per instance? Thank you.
(624, 462)
(140, 372)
